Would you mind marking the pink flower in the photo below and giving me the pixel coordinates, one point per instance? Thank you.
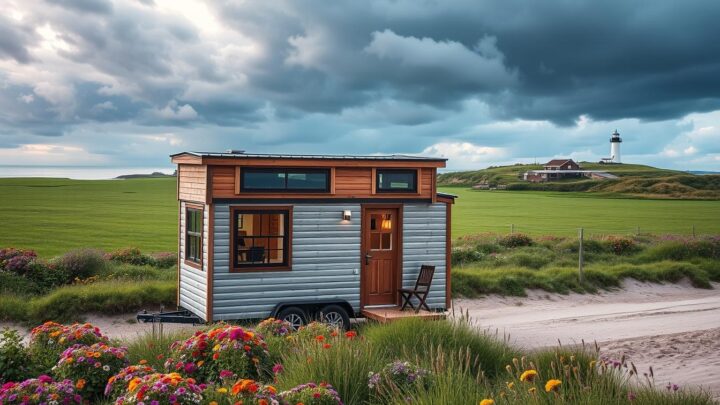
(277, 369)
(227, 374)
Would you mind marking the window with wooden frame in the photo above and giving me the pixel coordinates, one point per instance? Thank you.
(292, 180)
(193, 236)
(260, 238)
(396, 181)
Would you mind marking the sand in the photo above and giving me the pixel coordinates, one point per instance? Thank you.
(674, 328)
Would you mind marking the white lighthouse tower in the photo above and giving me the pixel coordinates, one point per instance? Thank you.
(615, 142)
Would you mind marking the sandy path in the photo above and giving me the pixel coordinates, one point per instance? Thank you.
(674, 328)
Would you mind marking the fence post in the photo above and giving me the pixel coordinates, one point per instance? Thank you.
(693, 231)
(637, 230)
(581, 273)
(512, 229)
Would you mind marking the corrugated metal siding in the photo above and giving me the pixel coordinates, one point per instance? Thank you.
(424, 243)
(193, 282)
(325, 255)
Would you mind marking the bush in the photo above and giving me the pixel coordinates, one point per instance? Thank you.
(224, 347)
(82, 263)
(621, 246)
(46, 276)
(15, 362)
(16, 260)
(515, 240)
(162, 389)
(464, 256)
(311, 394)
(164, 260)
(11, 283)
(49, 340)
(398, 377)
(117, 384)
(91, 366)
(274, 327)
(42, 390)
(129, 256)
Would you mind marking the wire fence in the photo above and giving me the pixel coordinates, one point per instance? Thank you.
(595, 231)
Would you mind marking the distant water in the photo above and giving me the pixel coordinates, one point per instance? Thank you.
(78, 172)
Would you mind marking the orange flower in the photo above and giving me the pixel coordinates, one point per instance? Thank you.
(528, 375)
(133, 384)
(334, 333)
(552, 385)
(263, 402)
(320, 338)
(350, 334)
(143, 361)
(247, 348)
(216, 356)
(200, 363)
(327, 346)
(80, 384)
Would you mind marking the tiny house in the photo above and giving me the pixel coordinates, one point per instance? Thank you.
(299, 236)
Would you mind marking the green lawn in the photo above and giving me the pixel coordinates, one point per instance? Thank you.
(556, 213)
(55, 215)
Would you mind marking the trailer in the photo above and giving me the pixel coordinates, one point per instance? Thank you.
(302, 237)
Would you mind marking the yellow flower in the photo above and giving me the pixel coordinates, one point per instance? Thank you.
(133, 384)
(552, 385)
(222, 390)
(200, 363)
(528, 375)
(487, 402)
(510, 384)
(216, 348)
(532, 390)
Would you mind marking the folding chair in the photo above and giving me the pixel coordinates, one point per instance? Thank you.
(421, 290)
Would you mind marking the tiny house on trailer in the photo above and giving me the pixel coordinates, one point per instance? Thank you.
(301, 236)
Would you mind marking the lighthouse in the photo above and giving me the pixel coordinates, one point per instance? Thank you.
(615, 142)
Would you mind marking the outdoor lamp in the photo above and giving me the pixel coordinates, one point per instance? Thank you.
(346, 215)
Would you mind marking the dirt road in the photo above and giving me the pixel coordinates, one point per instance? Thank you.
(674, 328)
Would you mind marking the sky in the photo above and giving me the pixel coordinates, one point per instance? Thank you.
(126, 83)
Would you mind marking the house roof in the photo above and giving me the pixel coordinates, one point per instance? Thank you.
(558, 162)
(243, 154)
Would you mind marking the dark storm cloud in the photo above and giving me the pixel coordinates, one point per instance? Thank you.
(14, 40)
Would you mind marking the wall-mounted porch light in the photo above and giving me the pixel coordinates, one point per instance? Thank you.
(346, 215)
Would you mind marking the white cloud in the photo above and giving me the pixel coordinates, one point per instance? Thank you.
(26, 98)
(176, 112)
(465, 155)
(49, 154)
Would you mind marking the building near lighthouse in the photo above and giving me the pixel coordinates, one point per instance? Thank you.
(615, 142)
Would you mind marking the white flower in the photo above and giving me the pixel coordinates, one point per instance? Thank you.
(106, 367)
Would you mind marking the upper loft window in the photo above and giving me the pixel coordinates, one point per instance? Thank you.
(396, 181)
(285, 180)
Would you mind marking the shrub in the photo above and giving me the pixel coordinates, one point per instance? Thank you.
(515, 240)
(118, 383)
(82, 263)
(46, 276)
(129, 256)
(224, 347)
(15, 363)
(41, 390)
(164, 260)
(11, 283)
(399, 376)
(49, 340)
(16, 260)
(274, 327)
(91, 366)
(311, 394)
(463, 255)
(245, 392)
(160, 388)
(620, 245)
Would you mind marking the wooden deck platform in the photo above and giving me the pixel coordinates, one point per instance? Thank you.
(389, 314)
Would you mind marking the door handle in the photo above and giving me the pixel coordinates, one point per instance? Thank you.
(367, 259)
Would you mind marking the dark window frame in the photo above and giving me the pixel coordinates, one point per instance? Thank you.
(236, 267)
(287, 171)
(196, 262)
(413, 190)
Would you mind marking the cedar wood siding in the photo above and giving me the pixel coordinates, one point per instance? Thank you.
(193, 282)
(192, 182)
(325, 255)
(348, 182)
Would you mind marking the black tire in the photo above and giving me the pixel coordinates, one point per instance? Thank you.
(294, 315)
(335, 315)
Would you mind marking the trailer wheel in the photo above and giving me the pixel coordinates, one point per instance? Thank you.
(294, 315)
(336, 316)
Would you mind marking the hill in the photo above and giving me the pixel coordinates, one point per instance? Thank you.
(638, 180)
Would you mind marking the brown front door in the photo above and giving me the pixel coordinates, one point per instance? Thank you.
(380, 272)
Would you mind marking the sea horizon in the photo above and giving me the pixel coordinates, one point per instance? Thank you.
(77, 172)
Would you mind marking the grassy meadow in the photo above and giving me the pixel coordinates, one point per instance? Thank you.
(53, 216)
(556, 213)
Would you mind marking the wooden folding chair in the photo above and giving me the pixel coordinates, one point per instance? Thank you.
(421, 290)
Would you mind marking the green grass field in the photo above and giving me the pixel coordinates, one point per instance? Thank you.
(56, 215)
(554, 213)
(53, 216)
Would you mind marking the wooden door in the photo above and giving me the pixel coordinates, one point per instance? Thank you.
(379, 280)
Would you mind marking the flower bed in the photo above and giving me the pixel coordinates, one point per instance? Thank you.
(244, 391)
(50, 339)
(117, 384)
(158, 388)
(41, 390)
(226, 347)
(90, 367)
(311, 394)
